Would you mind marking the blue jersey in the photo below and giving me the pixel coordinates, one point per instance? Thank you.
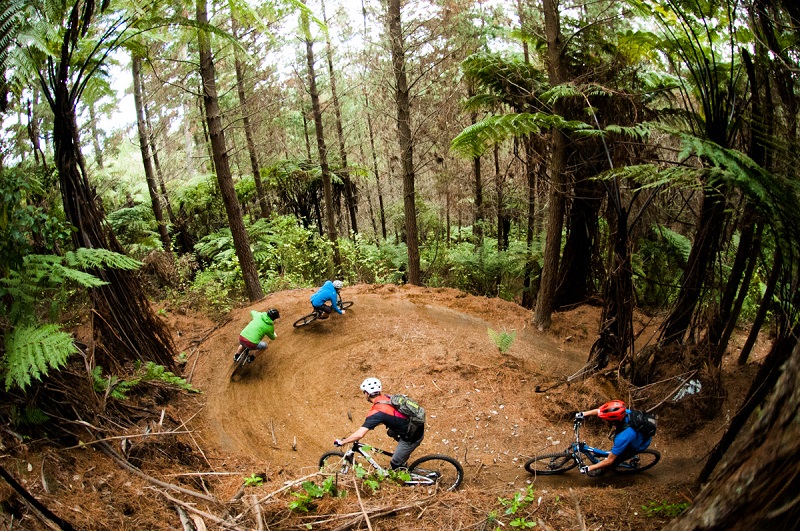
(326, 293)
(630, 439)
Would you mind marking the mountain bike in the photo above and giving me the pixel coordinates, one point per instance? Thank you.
(238, 364)
(441, 471)
(316, 314)
(559, 462)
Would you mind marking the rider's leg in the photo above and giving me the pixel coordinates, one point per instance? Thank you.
(402, 453)
(325, 311)
(262, 345)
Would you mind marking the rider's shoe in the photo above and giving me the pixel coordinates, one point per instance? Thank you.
(236, 357)
(323, 316)
(250, 358)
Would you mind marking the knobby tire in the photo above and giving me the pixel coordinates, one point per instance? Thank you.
(306, 319)
(237, 365)
(551, 464)
(449, 472)
(331, 462)
(640, 462)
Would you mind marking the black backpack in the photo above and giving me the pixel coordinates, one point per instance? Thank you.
(643, 422)
(410, 408)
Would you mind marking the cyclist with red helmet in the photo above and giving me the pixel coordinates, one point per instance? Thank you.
(382, 412)
(262, 324)
(627, 441)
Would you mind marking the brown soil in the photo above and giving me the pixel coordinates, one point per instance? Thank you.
(285, 409)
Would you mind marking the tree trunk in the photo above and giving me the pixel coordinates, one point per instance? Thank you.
(323, 150)
(530, 170)
(558, 155)
(98, 151)
(349, 185)
(151, 140)
(375, 171)
(756, 487)
(241, 241)
(616, 328)
(405, 140)
(703, 250)
(766, 304)
(127, 325)
(248, 127)
(144, 146)
(575, 283)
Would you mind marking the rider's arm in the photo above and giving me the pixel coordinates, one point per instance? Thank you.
(591, 413)
(356, 435)
(608, 461)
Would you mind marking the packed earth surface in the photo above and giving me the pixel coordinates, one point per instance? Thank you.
(255, 436)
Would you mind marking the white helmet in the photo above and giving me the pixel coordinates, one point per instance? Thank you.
(337, 284)
(371, 386)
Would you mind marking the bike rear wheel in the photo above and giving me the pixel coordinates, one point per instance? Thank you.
(551, 464)
(442, 470)
(333, 463)
(306, 319)
(639, 462)
(237, 365)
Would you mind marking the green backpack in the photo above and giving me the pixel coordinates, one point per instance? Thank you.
(410, 408)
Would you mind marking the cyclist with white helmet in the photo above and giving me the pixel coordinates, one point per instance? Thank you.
(328, 293)
(251, 337)
(384, 413)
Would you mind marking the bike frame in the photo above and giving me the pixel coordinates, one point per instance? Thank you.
(580, 448)
(358, 448)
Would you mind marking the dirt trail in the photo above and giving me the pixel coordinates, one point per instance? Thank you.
(433, 344)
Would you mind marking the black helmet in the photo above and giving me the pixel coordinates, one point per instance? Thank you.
(273, 313)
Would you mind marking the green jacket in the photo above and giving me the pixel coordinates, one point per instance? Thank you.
(260, 326)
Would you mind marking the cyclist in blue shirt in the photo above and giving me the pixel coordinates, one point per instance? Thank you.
(627, 441)
(329, 292)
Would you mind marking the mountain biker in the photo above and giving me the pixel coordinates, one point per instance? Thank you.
(395, 422)
(627, 441)
(329, 292)
(251, 337)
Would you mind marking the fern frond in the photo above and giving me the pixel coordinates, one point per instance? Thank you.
(100, 258)
(476, 139)
(31, 351)
(503, 340)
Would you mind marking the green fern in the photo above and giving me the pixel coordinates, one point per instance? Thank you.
(31, 351)
(152, 372)
(29, 416)
(503, 340)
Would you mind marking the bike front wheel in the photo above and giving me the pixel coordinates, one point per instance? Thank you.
(639, 462)
(345, 305)
(551, 464)
(441, 470)
(334, 463)
(306, 319)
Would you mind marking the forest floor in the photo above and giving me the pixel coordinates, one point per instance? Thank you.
(282, 413)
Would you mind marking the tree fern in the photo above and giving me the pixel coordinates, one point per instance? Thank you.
(31, 351)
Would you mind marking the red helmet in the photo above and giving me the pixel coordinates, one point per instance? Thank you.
(613, 411)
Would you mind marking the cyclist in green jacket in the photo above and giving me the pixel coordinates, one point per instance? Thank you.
(251, 337)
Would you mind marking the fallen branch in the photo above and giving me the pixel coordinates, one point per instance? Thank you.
(125, 464)
(361, 504)
(191, 509)
(578, 514)
(44, 514)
